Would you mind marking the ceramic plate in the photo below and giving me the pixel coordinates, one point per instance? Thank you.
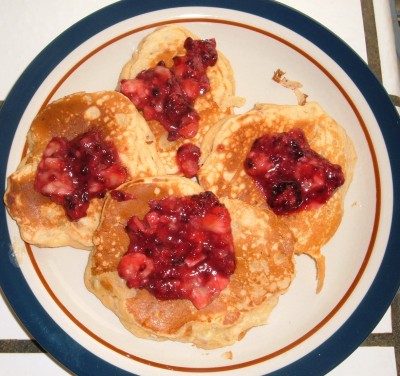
(307, 332)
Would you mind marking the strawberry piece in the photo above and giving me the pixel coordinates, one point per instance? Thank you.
(291, 176)
(135, 268)
(188, 156)
(189, 243)
(215, 222)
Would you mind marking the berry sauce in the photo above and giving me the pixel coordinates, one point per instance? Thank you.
(188, 156)
(71, 173)
(167, 94)
(182, 249)
(291, 175)
(120, 196)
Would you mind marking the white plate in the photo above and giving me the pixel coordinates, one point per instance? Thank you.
(307, 332)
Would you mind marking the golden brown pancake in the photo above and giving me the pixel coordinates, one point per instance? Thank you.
(264, 271)
(162, 45)
(223, 171)
(43, 222)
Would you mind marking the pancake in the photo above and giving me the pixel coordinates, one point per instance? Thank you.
(41, 221)
(164, 44)
(264, 270)
(224, 174)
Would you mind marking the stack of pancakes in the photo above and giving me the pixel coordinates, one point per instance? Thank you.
(264, 243)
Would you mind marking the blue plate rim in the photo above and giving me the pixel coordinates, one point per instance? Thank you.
(386, 283)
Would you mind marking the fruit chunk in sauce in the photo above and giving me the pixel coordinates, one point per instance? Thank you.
(188, 156)
(182, 249)
(168, 94)
(291, 175)
(71, 173)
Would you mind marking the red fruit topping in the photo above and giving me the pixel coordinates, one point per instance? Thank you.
(135, 267)
(121, 195)
(188, 156)
(182, 249)
(167, 95)
(291, 175)
(73, 172)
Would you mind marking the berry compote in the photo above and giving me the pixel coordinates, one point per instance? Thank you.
(182, 249)
(73, 172)
(188, 156)
(291, 175)
(168, 94)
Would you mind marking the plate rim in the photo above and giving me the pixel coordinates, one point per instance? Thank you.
(325, 357)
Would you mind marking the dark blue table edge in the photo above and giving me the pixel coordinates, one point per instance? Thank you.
(381, 293)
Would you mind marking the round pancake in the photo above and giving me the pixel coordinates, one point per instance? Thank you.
(264, 271)
(223, 171)
(43, 222)
(162, 45)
